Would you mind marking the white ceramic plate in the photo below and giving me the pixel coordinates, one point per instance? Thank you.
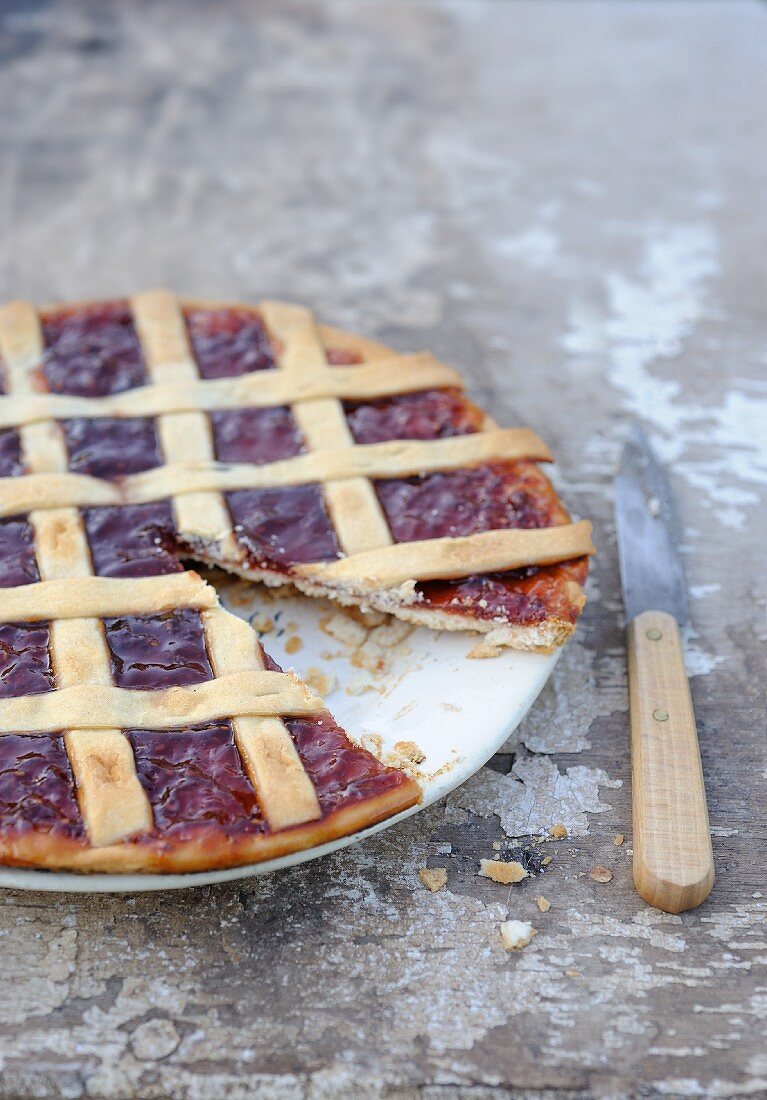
(422, 688)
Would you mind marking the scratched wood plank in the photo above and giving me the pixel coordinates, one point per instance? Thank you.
(566, 202)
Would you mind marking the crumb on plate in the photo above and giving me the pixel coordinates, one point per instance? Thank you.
(410, 751)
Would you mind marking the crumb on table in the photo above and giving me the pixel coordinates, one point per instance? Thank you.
(499, 871)
(558, 831)
(600, 873)
(516, 934)
(433, 878)
(543, 904)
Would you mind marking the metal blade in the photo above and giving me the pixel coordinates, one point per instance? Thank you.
(651, 570)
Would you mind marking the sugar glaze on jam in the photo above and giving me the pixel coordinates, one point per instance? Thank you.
(92, 351)
(194, 780)
(37, 788)
(111, 448)
(152, 652)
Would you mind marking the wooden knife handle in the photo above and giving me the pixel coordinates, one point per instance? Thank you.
(673, 860)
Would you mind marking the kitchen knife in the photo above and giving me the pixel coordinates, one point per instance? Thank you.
(673, 860)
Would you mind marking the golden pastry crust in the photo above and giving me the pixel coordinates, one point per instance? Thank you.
(208, 851)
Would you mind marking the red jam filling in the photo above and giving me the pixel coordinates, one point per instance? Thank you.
(112, 448)
(255, 435)
(92, 351)
(465, 502)
(10, 453)
(279, 527)
(432, 414)
(229, 342)
(138, 540)
(158, 651)
(37, 788)
(194, 779)
(25, 663)
(17, 554)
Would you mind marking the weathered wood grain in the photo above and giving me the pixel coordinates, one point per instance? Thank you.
(565, 201)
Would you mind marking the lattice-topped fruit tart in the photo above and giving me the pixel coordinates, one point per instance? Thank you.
(142, 727)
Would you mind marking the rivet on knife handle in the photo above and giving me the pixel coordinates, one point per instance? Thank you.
(673, 860)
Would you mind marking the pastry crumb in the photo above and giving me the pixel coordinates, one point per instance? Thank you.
(569, 973)
(496, 845)
(484, 649)
(502, 872)
(263, 623)
(372, 743)
(390, 634)
(433, 878)
(558, 831)
(360, 688)
(547, 860)
(600, 873)
(321, 682)
(619, 838)
(543, 904)
(410, 751)
(293, 644)
(343, 629)
(516, 934)
(368, 617)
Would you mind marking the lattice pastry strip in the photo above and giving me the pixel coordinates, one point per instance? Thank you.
(185, 437)
(112, 800)
(357, 515)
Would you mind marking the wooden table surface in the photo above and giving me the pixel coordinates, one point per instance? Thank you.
(566, 201)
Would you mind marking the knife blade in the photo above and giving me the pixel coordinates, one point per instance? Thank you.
(652, 577)
(673, 859)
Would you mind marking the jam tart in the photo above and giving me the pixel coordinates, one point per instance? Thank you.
(142, 727)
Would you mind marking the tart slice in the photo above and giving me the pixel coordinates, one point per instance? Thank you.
(254, 439)
(142, 727)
